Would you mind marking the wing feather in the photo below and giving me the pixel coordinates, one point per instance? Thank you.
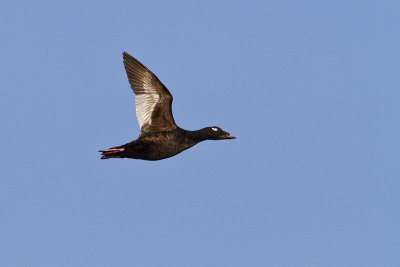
(153, 100)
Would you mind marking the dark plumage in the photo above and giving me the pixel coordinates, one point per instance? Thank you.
(159, 137)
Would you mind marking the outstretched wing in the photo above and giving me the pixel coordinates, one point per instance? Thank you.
(153, 100)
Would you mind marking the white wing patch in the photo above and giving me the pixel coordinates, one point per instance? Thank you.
(145, 102)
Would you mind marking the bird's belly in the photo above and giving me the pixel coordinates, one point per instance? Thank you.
(155, 150)
(162, 151)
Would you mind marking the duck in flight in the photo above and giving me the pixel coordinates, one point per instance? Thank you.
(159, 137)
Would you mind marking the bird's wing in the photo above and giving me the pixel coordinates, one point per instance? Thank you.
(153, 100)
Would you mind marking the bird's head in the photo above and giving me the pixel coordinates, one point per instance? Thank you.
(216, 133)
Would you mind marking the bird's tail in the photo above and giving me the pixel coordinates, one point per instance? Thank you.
(114, 152)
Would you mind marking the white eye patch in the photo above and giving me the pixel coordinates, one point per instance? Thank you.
(214, 129)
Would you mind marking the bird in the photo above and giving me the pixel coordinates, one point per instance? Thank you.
(159, 137)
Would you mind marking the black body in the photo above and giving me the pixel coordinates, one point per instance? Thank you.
(161, 145)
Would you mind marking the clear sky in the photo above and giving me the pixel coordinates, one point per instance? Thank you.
(310, 88)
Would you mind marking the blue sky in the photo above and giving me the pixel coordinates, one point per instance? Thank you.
(310, 88)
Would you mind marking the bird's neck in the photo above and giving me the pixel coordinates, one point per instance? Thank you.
(197, 136)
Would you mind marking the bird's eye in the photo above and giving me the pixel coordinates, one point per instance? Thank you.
(214, 128)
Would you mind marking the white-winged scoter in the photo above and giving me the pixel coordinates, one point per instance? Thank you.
(159, 137)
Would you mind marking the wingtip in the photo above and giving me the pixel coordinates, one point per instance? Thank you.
(125, 54)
